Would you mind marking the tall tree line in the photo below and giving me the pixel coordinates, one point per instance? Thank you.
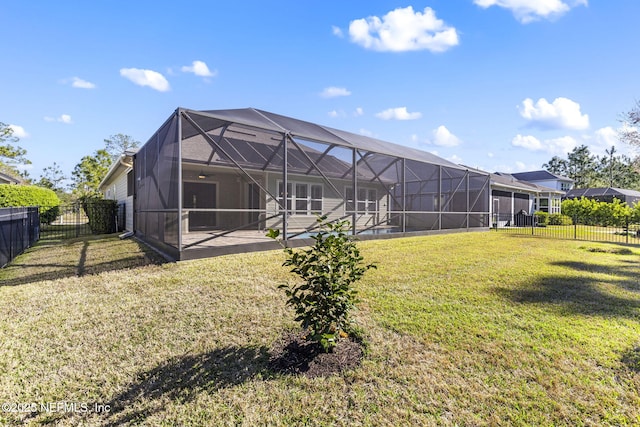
(590, 171)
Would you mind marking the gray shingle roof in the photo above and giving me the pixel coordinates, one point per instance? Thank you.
(540, 175)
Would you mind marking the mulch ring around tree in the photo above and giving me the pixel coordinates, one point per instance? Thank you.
(294, 355)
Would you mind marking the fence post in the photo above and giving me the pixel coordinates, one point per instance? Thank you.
(77, 212)
(533, 224)
(575, 228)
(626, 234)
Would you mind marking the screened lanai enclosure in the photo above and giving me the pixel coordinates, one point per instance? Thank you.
(213, 182)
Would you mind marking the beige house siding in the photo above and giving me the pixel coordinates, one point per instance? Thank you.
(116, 189)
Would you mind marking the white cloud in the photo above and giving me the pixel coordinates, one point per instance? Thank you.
(333, 113)
(560, 146)
(605, 138)
(366, 132)
(359, 112)
(79, 83)
(64, 118)
(150, 78)
(444, 138)
(490, 155)
(527, 11)
(562, 113)
(333, 92)
(529, 142)
(521, 166)
(199, 68)
(337, 31)
(399, 113)
(18, 131)
(403, 30)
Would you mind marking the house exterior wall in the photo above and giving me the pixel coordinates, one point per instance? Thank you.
(333, 205)
(116, 189)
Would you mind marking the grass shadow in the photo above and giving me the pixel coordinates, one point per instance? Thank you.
(57, 259)
(183, 378)
(582, 294)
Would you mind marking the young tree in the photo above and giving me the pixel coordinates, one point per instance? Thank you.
(52, 178)
(89, 172)
(117, 144)
(11, 155)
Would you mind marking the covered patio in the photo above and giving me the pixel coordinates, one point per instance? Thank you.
(212, 182)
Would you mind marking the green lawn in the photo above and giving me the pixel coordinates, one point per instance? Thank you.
(462, 329)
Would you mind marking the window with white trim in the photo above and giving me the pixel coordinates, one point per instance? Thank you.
(302, 198)
(367, 201)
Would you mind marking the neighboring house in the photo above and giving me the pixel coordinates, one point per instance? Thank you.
(630, 197)
(511, 197)
(118, 185)
(210, 182)
(546, 179)
(551, 189)
(8, 179)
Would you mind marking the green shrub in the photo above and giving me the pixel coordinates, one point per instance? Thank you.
(101, 214)
(593, 212)
(329, 269)
(560, 219)
(30, 195)
(542, 218)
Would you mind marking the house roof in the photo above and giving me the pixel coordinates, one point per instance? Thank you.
(509, 181)
(602, 191)
(264, 120)
(122, 163)
(9, 179)
(541, 175)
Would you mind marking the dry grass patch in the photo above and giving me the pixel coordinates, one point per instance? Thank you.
(466, 329)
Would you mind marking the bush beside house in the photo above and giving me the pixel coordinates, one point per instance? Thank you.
(101, 214)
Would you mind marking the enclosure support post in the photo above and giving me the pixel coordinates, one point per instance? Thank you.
(180, 189)
(404, 195)
(285, 185)
(354, 185)
(468, 207)
(440, 198)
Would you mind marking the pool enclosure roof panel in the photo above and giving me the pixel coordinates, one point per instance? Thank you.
(258, 119)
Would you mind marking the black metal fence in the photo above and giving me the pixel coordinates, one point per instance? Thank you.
(72, 221)
(623, 231)
(21, 227)
(19, 230)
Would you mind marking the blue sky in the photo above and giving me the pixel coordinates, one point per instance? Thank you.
(502, 85)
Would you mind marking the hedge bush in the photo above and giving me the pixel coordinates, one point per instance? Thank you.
(542, 218)
(30, 195)
(101, 214)
(559, 219)
(593, 212)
